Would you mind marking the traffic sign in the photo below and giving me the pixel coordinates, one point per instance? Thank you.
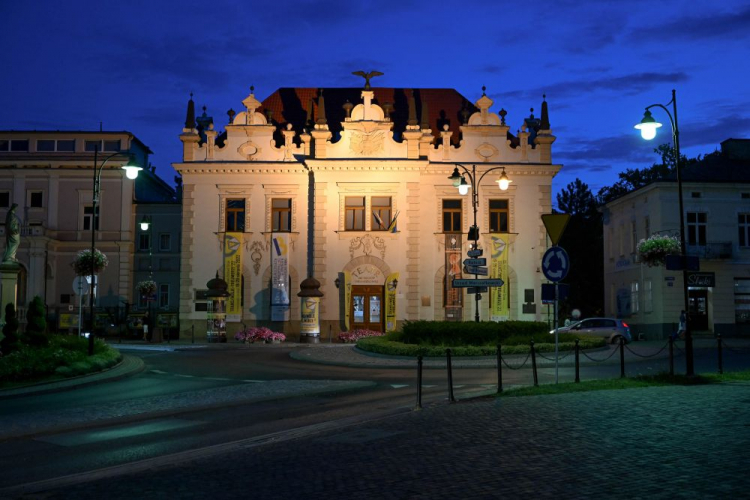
(474, 253)
(466, 283)
(555, 224)
(475, 262)
(555, 264)
(81, 285)
(476, 289)
(480, 271)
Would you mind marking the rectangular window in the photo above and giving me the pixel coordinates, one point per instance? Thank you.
(452, 216)
(235, 221)
(19, 145)
(45, 145)
(634, 297)
(92, 146)
(633, 237)
(4, 199)
(112, 146)
(163, 295)
(381, 213)
(88, 216)
(498, 216)
(165, 242)
(743, 224)
(36, 199)
(646, 227)
(4, 145)
(67, 145)
(648, 296)
(355, 213)
(697, 223)
(281, 215)
(144, 242)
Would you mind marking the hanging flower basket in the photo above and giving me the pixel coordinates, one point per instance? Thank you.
(82, 264)
(147, 287)
(654, 250)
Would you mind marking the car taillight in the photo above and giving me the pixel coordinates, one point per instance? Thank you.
(624, 324)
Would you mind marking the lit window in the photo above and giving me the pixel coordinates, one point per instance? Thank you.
(381, 213)
(355, 213)
(498, 216)
(281, 215)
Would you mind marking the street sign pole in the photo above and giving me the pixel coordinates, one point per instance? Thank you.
(556, 326)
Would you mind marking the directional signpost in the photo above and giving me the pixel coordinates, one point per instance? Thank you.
(555, 262)
(488, 282)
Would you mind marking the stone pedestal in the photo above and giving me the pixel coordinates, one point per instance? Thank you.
(9, 271)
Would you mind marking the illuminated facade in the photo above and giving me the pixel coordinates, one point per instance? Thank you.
(374, 164)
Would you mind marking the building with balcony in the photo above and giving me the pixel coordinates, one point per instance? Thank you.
(49, 175)
(716, 194)
(351, 187)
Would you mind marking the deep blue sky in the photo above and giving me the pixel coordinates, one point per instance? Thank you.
(131, 65)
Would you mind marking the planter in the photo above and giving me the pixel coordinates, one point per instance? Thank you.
(83, 262)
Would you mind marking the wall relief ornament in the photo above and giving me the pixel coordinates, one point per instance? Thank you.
(256, 254)
(367, 243)
(367, 143)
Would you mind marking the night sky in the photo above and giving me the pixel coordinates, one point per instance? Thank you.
(132, 65)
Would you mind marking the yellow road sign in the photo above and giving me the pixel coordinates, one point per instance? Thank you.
(555, 224)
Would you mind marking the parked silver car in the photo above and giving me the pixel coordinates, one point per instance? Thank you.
(609, 328)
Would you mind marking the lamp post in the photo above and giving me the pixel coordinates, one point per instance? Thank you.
(463, 186)
(146, 226)
(131, 171)
(648, 127)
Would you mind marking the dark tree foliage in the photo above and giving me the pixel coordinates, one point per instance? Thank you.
(11, 341)
(582, 240)
(36, 327)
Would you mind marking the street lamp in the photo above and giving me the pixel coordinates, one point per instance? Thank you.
(648, 127)
(145, 226)
(131, 172)
(459, 181)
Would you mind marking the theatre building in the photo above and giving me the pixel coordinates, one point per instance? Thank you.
(355, 189)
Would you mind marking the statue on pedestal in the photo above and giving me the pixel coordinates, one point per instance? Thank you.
(12, 234)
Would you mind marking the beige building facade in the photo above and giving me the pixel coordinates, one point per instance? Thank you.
(355, 187)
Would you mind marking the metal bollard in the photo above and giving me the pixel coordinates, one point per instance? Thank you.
(330, 334)
(192, 336)
(419, 383)
(450, 377)
(721, 361)
(533, 365)
(499, 370)
(622, 357)
(671, 355)
(578, 363)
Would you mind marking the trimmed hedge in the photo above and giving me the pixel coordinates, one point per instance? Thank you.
(454, 333)
(65, 356)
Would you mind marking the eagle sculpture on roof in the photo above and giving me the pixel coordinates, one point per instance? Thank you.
(367, 76)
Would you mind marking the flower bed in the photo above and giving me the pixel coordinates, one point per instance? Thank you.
(654, 250)
(360, 333)
(259, 334)
(82, 264)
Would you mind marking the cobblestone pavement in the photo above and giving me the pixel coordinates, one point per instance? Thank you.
(654, 443)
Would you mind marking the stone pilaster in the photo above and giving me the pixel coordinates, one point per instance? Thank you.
(186, 256)
(412, 250)
(320, 268)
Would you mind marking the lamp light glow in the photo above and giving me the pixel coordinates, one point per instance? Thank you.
(131, 171)
(648, 126)
(145, 222)
(463, 187)
(503, 181)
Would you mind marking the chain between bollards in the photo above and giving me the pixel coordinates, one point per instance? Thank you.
(721, 361)
(671, 355)
(419, 383)
(450, 377)
(578, 363)
(533, 365)
(622, 357)
(499, 371)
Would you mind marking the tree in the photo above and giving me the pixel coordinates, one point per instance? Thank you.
(11, 342)
(36, 327)
(577, 199)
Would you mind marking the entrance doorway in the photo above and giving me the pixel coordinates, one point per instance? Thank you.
(698, 303)
(367, 307)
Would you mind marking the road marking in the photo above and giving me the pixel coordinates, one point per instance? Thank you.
(184, 376)
(158, 371)
(217, 378)
(79, 438)
(254, 381)
(399, 386)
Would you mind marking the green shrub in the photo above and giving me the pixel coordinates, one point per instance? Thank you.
(11, 340)
(468, 333)
(36, 326)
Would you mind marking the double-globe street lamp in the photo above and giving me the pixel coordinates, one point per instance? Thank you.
(648, 127)
(459, 181)
(131, 171)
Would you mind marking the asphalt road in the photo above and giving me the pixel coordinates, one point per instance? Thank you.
(196, 398)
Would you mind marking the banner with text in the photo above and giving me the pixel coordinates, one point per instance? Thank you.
(347, 299)
(391, 283)
(454, 297)
(279, 277)
(499, 309)
(233, 274)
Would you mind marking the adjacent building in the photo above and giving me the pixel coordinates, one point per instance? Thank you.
(351, 187)
(716, 193)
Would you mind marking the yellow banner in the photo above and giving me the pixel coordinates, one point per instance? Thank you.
(390, 302)
(233, 273)
(347, 299)
(499, 310)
